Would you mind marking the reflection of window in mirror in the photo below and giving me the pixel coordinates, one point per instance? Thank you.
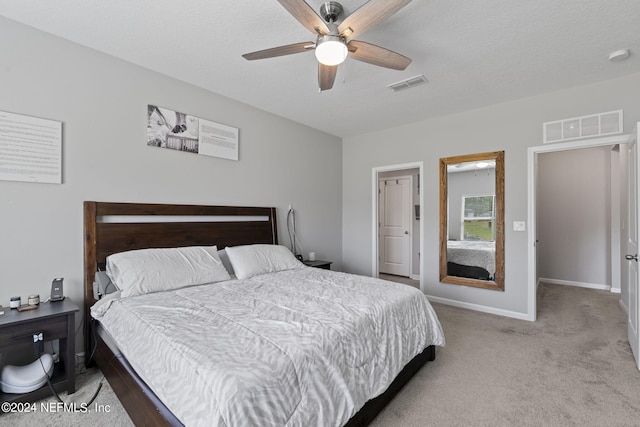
(478, 218)
(471, 220)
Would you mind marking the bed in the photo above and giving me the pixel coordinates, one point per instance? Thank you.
(112, 228)
(472, 259)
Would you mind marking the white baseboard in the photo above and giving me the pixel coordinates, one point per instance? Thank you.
(578, 284)
(481, 308)
(415, 277)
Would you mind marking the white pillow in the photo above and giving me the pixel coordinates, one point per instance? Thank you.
(153, 270)
(251, 260)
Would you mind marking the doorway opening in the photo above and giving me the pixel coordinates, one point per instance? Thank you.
(533, 180)
(397, 228)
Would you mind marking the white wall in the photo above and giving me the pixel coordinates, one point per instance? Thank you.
(102, 103)
(574, 216)
(511, 127)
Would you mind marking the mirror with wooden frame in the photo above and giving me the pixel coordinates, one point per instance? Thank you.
(472, 220)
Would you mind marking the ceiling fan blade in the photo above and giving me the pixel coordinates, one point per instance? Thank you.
(306, 16)
(369, 14)
(326, 76)
(279, 51)
(377, 55)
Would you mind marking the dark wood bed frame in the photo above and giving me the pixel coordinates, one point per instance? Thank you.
(103, 238)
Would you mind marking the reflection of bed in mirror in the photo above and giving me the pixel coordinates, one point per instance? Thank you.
(471, 259)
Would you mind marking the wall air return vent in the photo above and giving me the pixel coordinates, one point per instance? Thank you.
(408, 83)
(609, 123)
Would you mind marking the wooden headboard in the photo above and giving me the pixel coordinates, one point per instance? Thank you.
(116, 227)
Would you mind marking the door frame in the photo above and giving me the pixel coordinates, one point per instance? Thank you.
(374, 211)
(399, 176)
(532, 174)
(631, 246)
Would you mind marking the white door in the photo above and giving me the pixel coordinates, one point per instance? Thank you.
(633, 208)
(394, 245)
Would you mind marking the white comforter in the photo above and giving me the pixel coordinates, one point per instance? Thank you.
(303, 347)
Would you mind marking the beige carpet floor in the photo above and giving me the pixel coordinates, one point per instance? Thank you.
(105, 411)
(573, 367)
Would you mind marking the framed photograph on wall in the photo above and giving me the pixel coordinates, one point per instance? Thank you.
(183, 132)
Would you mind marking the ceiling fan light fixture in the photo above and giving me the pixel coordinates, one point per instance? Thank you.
(331, 50)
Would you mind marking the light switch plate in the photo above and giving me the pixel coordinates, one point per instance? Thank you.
(519, 226)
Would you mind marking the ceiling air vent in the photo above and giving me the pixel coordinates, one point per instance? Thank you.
(609, 123)
(408, 83)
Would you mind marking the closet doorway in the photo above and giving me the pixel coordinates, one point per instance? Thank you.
(397, 223)
(576, 225)
(536, 239)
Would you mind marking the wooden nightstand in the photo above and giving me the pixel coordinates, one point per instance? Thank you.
(318, 264)
(56, 320)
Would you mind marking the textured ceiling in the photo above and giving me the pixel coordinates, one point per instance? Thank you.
(473, 52)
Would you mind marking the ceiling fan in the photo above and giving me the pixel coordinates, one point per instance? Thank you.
(335, 41)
